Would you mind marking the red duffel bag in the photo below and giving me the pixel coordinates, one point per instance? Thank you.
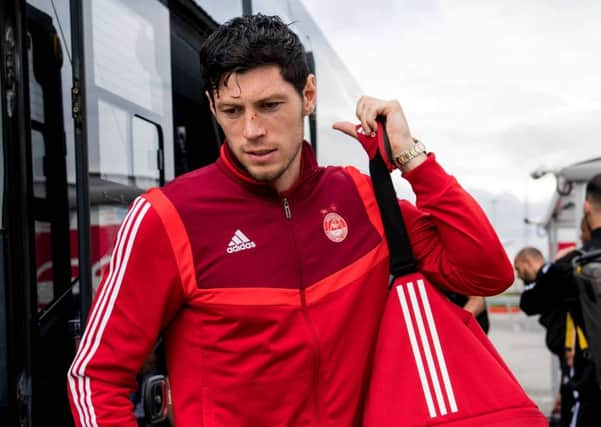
(433, 365)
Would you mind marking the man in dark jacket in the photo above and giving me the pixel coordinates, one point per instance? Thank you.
(551, 292)
(542, 296)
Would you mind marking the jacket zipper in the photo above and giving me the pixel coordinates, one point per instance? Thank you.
(304, 309)
(287, 210)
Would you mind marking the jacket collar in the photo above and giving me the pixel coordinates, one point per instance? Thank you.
(228, 163)
(596, 234)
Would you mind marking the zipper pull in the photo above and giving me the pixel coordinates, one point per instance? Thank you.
(287, 210)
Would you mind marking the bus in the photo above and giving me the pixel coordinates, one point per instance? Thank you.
(101, 100)
(561, 222)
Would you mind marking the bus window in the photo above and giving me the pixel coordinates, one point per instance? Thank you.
(44, 271)
(114, 157)
(36, 105)
(129, 112)
(131, 150)
(128, 76)
(147, 153)
(221, 10)
(37, 157)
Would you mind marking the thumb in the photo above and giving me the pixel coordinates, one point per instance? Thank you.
(347, 128)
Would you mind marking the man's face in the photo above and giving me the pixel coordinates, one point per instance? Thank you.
(262, 116)
(525, 270)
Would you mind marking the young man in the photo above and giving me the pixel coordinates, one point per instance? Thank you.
(265, 273)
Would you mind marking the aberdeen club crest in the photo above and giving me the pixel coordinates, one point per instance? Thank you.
(335, 227)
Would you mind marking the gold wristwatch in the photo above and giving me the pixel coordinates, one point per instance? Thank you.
(407, 155)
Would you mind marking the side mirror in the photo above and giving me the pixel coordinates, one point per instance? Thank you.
(157, 398)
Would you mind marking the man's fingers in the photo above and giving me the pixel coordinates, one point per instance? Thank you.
(347, 128)
(362, 113)
(368, 109)
(371, 113)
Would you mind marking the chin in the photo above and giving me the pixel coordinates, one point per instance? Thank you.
(265, 176)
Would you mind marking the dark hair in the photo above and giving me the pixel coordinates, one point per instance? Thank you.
(247, 42)
(593, 190)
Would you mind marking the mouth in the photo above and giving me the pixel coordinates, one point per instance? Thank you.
(261, 155)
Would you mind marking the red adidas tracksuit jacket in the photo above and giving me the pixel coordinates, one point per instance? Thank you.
(268, 303)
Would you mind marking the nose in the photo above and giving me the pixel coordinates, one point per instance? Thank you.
(253, 128)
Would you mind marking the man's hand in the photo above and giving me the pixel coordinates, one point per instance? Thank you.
(563, 252)
(475, 305)
(368, 109)
(556, 406)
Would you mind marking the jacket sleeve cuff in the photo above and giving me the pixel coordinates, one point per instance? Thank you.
(429, 177)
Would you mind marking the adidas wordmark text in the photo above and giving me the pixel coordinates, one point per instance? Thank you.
(239, 242)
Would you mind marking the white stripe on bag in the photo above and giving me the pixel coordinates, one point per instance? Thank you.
(416, 352)
(426, 347)
(431, 377)
(97, 321)
(437, 347)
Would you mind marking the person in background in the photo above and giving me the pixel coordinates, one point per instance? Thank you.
(475, 305)
(539, 297)
(551, 291)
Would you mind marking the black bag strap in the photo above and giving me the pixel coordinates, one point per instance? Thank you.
(402, 260)
(585, 257)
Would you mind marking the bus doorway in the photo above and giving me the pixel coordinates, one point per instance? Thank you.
(53, 299)
(37, 284)
(17, 264)
(197, 136)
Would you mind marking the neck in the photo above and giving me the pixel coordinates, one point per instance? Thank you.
(594, 221)
(289, 177)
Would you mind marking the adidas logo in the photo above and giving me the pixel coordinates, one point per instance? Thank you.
(239, 242)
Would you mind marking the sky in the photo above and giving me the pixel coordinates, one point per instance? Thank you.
(495, 89)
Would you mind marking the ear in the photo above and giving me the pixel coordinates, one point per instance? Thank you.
(309, 95)
(587, 207)
(211, 105)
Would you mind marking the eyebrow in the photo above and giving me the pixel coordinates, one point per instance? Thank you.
(269, 98)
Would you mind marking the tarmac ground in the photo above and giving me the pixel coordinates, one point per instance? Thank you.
(521, 342)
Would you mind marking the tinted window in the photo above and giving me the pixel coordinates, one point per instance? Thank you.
(129, 111)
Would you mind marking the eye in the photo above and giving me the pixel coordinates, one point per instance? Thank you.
(271, 105)
(231, 111)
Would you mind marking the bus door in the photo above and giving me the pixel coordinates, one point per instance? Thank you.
(54, 301)
(17, 265)
(36, 302)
